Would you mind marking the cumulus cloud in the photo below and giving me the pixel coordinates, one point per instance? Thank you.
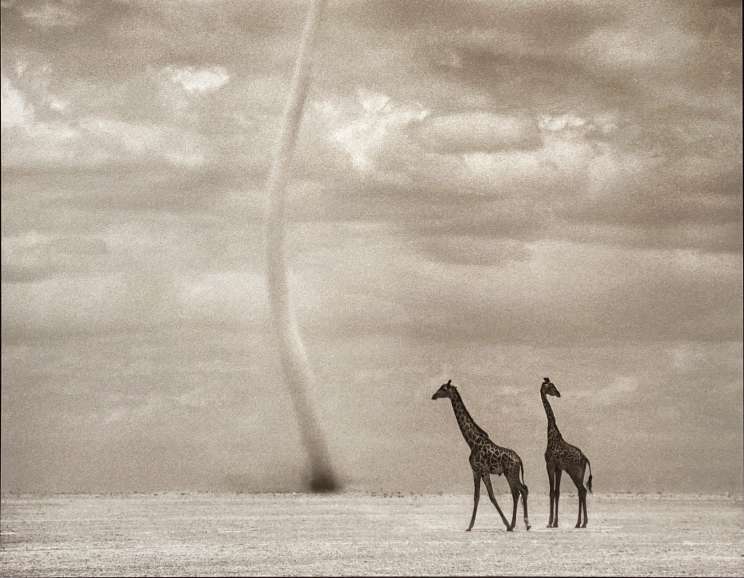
(376, 127)
(199, 81)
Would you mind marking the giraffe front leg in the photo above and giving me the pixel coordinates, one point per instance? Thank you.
(487, 480)
(558, 474)
(515, 500)
(551, 481)
(476, 497)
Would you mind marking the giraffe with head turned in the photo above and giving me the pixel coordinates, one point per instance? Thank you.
(561, 456)
(487, 458)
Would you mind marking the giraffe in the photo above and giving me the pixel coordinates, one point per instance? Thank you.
(487, 458)
(560, 456)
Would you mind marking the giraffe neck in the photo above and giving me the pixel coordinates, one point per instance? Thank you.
(471, 431)
(554, 433)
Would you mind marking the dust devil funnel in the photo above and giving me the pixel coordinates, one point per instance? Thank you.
(297, 372)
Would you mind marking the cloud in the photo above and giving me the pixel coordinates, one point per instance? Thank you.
(224, 299)
(63, 306)
(182, 91)
(465, 249)
(199, 81)
(52, 14)
(477, 131)
(15, 110)
(643, 44)
(34, 256)
(95, 141)
(574, 293)
(579, 178)
(478, 186)
(129, 277)
(376, 125)
(139, 141)
(604, 123)
(621, 390)
(397, 144)
(46, 303)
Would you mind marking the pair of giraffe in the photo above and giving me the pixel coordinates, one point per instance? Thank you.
(487, 458)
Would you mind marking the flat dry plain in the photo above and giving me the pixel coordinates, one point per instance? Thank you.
(175, 534)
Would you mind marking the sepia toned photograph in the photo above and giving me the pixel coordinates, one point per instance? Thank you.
(372, 288)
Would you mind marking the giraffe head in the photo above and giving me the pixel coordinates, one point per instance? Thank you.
(549, 388)
(445, 390)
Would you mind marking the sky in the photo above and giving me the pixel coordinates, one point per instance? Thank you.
(488, 192)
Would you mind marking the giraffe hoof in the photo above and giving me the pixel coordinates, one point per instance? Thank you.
(509, 529)
(528, 527)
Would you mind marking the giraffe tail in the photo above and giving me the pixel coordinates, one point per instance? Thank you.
(589, 481)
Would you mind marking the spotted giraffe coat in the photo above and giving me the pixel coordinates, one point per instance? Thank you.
(559, 454)
(485, 456)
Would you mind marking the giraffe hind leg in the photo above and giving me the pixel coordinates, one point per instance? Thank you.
(582, 502)
(515, 503)
(582, 494)
(589, 487)
(516, 490)
(577, 476)
(586, 516)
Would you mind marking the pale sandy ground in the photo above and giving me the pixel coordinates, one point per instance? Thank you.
(346, 534)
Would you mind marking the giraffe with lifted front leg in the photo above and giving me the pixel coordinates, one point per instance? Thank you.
(561, 456)
(487, 458)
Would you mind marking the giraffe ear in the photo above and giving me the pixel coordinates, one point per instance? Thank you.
(449, 382)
